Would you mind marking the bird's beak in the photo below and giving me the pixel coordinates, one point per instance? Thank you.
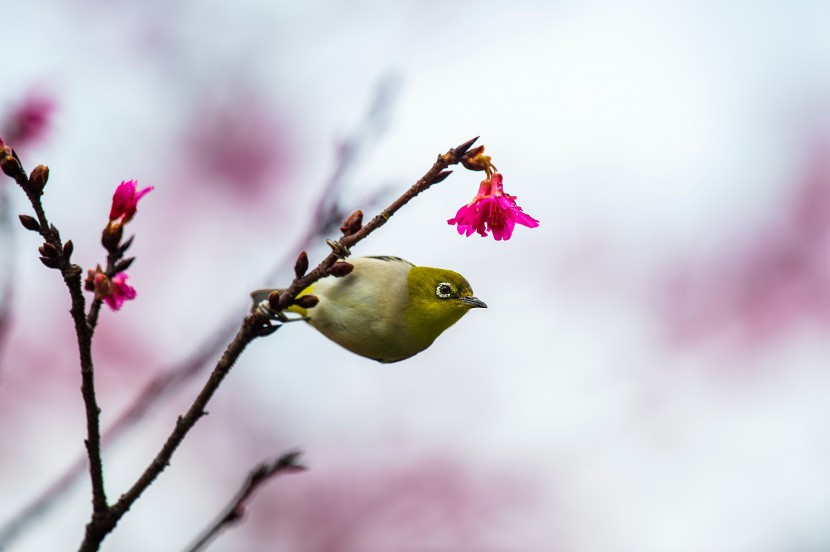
(473, 302)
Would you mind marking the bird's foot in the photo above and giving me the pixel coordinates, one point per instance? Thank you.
(340, 250)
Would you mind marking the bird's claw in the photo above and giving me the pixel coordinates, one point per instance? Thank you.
(263, 308)
(338, 249)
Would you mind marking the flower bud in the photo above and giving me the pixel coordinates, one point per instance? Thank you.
(49, 250)
(39, 178)
(122, 266)
(340, 269)
(441, 176)
(274, 299)
(301, 266)
(111, 236)
(29, 223)
(462, 149)
(353, 223)
(89, 283)
(475, 160)
(49, 262)
(101, 284)
(11, 167)
(306, 301)
(68, 248)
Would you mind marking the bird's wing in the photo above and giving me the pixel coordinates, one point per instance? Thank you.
(388, 258)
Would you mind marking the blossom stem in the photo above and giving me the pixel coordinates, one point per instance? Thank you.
(72, 278)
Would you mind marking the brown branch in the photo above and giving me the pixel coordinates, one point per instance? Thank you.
(98, 529)
(235, 510)
(57, 255)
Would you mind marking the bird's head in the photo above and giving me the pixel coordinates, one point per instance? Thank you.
(438, 298)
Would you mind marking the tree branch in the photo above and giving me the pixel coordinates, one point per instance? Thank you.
(235, 510)
(56, 254)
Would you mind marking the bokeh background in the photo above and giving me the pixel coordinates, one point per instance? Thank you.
(651, 375)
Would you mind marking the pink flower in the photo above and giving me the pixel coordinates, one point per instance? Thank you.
(125, 201)
(492, 210)
(113, 291)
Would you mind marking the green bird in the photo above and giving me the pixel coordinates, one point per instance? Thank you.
(386, 309)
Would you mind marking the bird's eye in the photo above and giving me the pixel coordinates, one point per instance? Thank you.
(444, 290)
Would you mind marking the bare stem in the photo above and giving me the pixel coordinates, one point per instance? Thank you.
(72, 278)
(235, 510)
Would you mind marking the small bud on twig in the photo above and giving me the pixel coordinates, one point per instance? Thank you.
(126, 245)
(29, 223)
(68, 248)
(274, 299)
(441, 176)
(39, 178)
(111, 236)
(49, 262)
(353, 223)
(307, 301)
(462, 149)
(97, 281)
(54, 230)
(340, 269)
(301, 266)
(11, 167)
(49, 250)
(475, 160)
(89, 283)
(121, 266)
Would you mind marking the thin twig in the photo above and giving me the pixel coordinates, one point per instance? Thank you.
(72, 278)
(235, 510)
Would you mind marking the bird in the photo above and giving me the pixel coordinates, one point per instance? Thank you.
(387, 309)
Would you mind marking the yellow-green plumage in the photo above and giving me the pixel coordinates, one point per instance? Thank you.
(387, 309)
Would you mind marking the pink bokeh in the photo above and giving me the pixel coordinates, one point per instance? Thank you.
(775, 282)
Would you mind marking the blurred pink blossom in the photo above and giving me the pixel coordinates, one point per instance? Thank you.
(28, 123)
(777, 282)
(237, 144)
(433, 505)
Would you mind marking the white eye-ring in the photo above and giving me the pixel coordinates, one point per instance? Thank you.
(444, 290)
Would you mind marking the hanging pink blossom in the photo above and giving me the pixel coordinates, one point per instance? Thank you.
(492, 210)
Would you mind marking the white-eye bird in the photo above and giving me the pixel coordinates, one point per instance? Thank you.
(387, 309)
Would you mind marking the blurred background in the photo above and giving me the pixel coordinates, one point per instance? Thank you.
(651, 374)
